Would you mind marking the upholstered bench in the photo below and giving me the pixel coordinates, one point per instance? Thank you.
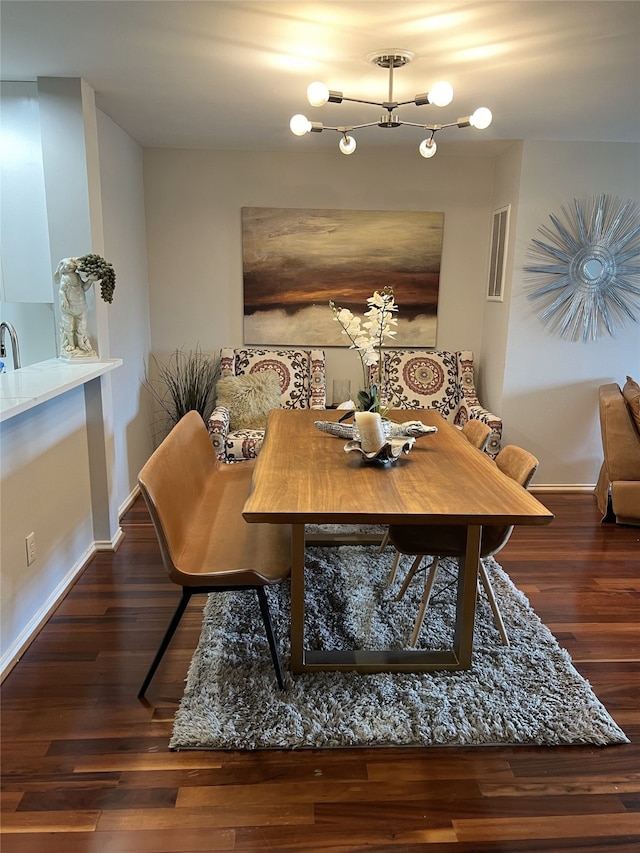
(248, 389)
(196, 503)
(437, 379)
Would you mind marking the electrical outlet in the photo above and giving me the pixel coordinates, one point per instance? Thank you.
(31, 548)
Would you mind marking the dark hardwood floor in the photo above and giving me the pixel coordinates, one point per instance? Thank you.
(86, 767)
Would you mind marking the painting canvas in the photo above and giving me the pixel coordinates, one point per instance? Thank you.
(295, 261)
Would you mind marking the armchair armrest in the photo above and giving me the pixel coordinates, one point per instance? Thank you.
(495, 437)
(472, 405)
(318, 380)
(218, 427)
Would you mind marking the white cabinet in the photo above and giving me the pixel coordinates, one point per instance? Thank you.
(25, 260)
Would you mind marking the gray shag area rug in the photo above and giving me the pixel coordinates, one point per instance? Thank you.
(526, 693)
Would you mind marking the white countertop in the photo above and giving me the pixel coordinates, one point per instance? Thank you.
(29, 386)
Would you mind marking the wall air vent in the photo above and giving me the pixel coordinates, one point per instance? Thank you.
(497, 265)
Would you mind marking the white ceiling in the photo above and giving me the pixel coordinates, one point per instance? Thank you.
(229, 75)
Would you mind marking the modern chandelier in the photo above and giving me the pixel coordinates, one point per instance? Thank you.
(439, 95)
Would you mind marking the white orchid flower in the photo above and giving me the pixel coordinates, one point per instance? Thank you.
(367, 335)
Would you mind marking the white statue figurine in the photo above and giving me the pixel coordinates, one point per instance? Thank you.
(74, 341)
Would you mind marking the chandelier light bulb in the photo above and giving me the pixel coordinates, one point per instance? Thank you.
(347, 145)
(481, 118)
(428, 148)
(441, 94)
(299, 125)
(317, 94)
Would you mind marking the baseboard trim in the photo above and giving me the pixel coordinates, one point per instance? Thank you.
(110, 544)
(14, 652)
(128, 501)
(31, 630)
(574, 488)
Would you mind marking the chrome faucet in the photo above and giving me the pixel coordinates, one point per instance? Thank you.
(14, 343)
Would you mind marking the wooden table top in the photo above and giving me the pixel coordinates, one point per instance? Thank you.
(304, 476)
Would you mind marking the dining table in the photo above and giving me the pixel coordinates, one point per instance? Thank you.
(304, 477)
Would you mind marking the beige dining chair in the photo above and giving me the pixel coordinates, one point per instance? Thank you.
(477, 433)
(449, 541)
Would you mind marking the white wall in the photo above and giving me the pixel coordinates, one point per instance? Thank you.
(24, 245)
(66, 463)
(34, 323)
(495, 326)
(544, 388)
(26, 281)
(128, 314)
(45, 488)
(550, 384)
(193, 201)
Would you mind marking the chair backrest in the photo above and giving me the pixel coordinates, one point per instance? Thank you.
(520, 465)
(477, 433)
(429, 379)
(517, 463)
(302, 372)
(422, 379)
(173, 481)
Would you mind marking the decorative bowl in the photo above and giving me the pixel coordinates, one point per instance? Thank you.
(390, 451)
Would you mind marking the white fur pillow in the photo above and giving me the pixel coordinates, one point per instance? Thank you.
(249, 398)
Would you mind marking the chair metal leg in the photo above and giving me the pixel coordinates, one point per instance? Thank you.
(268, 625)
(175, 621)
(484, 577)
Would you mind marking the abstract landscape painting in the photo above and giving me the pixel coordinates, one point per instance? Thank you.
(296, 260)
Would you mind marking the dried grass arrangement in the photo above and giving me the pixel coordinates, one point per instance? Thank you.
(185, 382)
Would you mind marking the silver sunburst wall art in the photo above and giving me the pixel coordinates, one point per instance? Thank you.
(585, 273)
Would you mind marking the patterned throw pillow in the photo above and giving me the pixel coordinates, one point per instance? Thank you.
(631, 393)
(292, 366)
(249, 398)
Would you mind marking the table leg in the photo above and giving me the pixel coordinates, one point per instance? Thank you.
(466, 600)
(387, 660)
(297, 597)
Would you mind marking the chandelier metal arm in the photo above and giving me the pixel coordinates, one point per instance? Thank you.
(371, 103)
(462, 122)
(390, 106)
(419, 100)
(358, 126)
(318, 127)
(432, 127)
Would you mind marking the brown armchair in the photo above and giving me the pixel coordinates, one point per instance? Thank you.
(618, 488)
